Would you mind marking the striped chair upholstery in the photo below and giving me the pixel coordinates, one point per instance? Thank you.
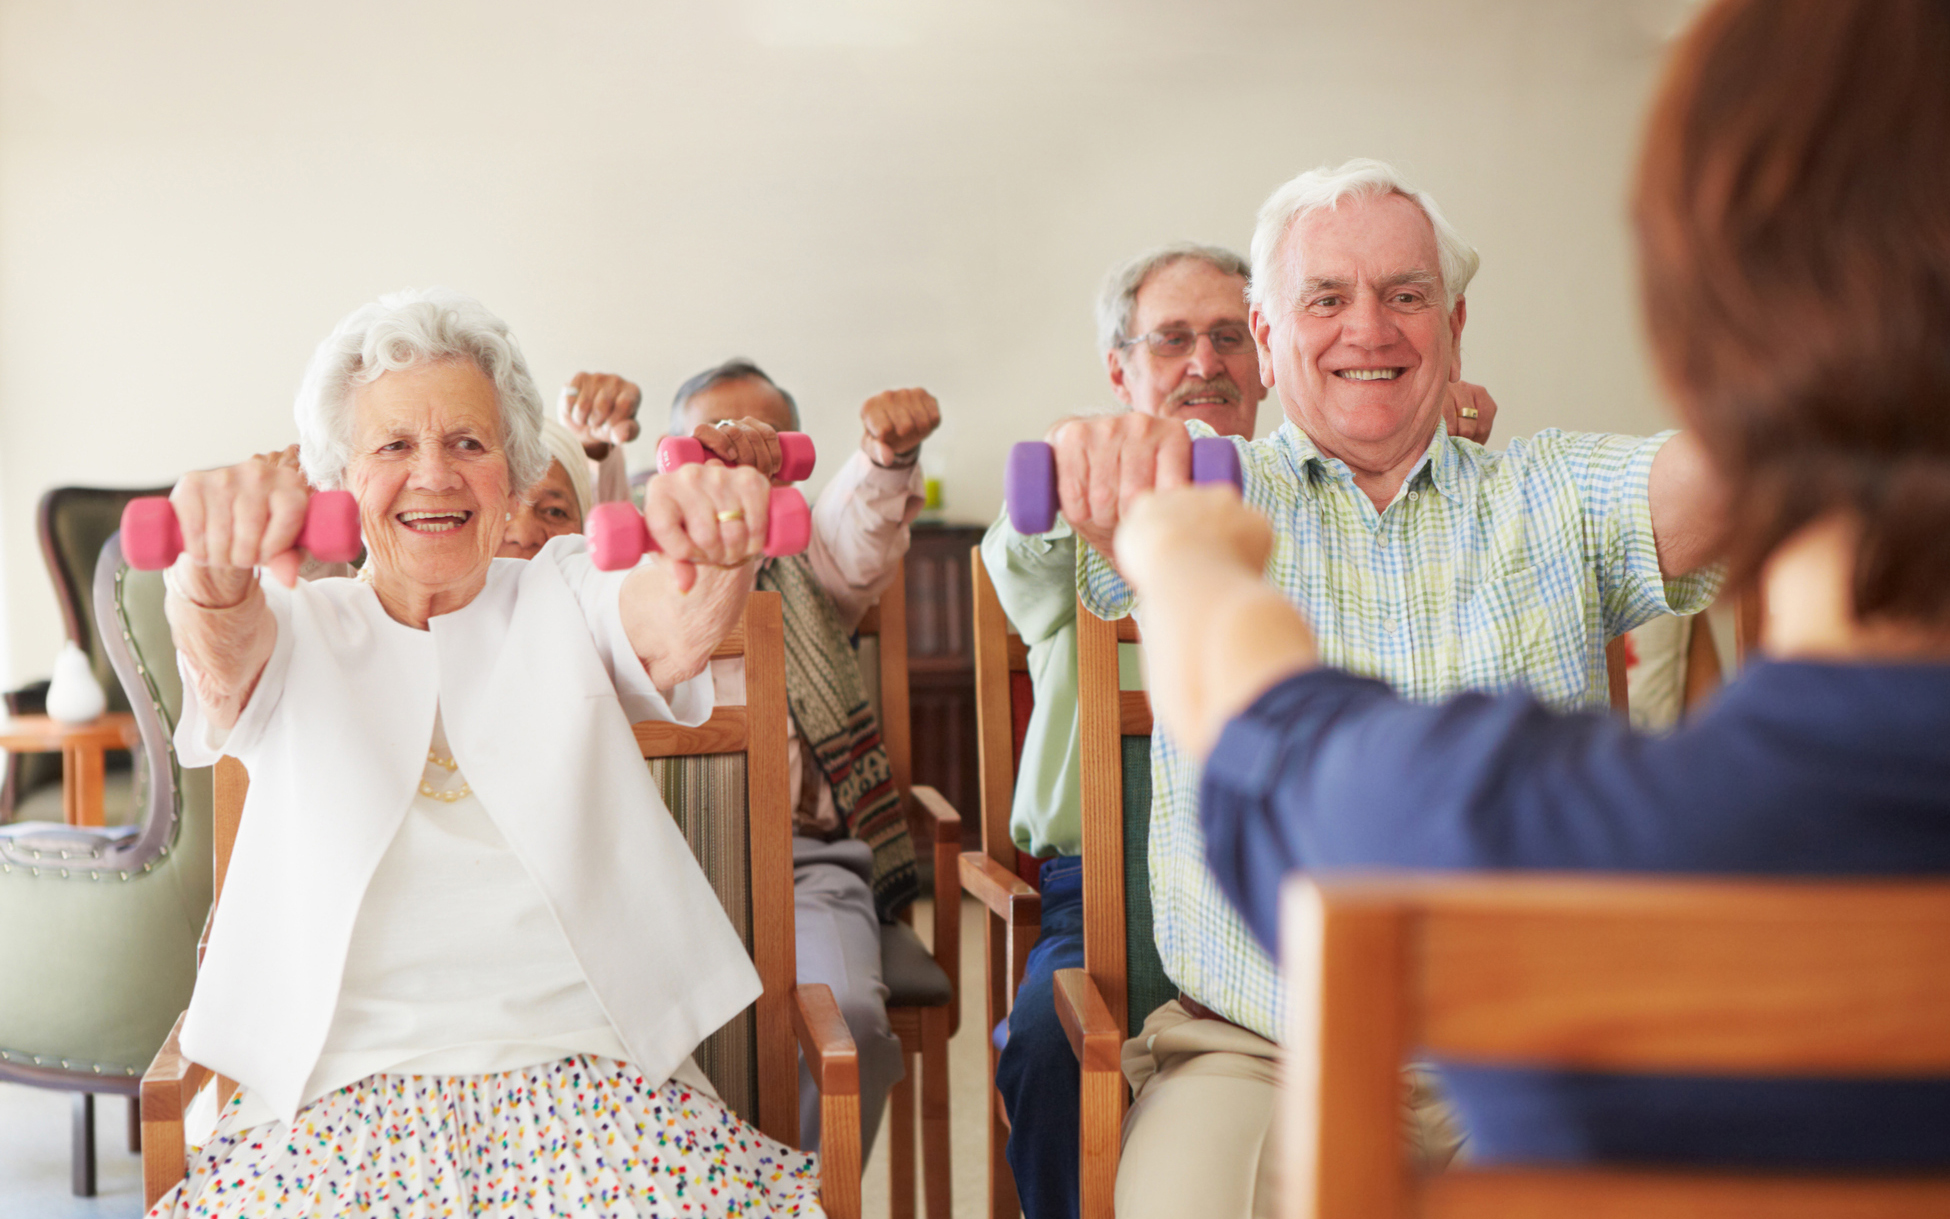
(692, 787)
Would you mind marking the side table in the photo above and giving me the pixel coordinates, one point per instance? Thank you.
(81, 747)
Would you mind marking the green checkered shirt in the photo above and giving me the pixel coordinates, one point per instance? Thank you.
(1487, 571)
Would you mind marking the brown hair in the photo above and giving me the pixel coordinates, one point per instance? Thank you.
(1793, 222)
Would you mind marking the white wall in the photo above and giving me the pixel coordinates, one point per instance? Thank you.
(858, 193)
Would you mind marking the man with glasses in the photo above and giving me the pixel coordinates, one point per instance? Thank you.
(1173, 329)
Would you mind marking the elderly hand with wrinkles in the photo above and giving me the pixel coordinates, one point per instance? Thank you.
(600, 408)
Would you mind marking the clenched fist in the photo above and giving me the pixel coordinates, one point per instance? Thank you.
(1469, 412)
(600, 408)
(895, 423)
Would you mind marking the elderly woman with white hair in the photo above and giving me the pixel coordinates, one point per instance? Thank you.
(463, 954)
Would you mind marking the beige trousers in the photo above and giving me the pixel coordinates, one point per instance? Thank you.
(1200, 1137)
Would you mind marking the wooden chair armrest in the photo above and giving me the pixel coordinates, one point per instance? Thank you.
(835, 1064)
(934, 806)
(167, 1088)
(171, 1080)
(1006, 895)
(947, 892)
(1101, 1093)
(824, 1039)
(1094, 1038)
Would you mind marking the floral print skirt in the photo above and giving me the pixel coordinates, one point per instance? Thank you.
(582, 1136)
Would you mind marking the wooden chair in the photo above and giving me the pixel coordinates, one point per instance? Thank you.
(1698, 977)
(736, 757)
(1122, 980)
(924, 987)
(993, 875)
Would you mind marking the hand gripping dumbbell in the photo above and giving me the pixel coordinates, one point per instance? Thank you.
(152, 537)
(618, 537)
(1029, 480)
(796, 455)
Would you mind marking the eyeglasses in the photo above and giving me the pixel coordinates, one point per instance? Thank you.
(1175, 342)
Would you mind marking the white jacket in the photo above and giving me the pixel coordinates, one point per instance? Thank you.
(537, 685)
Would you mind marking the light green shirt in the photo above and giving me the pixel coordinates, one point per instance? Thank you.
(1487, 571)
(1035, 578)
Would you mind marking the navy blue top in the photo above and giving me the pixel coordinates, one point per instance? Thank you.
(1795, 769)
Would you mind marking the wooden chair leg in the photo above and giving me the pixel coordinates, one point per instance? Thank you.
(1003, 1203)
(82, 1157)
(938, 1174)
(900, 1145)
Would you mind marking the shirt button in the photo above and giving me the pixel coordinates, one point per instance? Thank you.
(1390, 625)
(1414, 494)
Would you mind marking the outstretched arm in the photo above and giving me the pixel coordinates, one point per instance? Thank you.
(232, 520)
(709, 521)
(1216, 635)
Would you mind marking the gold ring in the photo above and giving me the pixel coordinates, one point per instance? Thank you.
(1467, 412)
(732, 514)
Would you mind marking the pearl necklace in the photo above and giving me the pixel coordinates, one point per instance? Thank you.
(445, 797)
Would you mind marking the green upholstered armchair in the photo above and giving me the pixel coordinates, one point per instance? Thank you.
(72, 524)
(102, 923)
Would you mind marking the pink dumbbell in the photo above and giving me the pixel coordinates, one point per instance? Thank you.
(618, 537)
(152, 538)
(796, 455)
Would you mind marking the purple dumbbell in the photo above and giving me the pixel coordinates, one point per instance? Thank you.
(1029, 480)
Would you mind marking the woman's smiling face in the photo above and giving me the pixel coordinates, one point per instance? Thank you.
(548, 510)
(430, 473)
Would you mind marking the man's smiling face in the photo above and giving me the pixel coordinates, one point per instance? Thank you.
(1354, 334)
(1223, 390)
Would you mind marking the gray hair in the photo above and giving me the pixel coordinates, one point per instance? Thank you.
(405, 330)
(1117, 299)
(737, 368)
(1324, 188)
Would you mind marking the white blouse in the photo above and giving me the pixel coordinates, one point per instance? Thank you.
(365, 928)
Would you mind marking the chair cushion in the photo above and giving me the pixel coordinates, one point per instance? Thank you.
(909, 969)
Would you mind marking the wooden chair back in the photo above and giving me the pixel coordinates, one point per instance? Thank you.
(1616, 974)
(759, 901)
(998, 875)
(1002, 704)
(1003, 700)
(1114, 744)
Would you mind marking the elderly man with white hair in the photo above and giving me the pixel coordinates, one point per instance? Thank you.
(1422, 558)
(1177, 343)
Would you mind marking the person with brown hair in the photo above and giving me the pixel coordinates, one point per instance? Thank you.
(1793, 223)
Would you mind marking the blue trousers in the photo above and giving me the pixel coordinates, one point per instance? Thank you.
(1037, 1073)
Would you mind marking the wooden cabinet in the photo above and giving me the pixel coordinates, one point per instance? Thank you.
(941, 667)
